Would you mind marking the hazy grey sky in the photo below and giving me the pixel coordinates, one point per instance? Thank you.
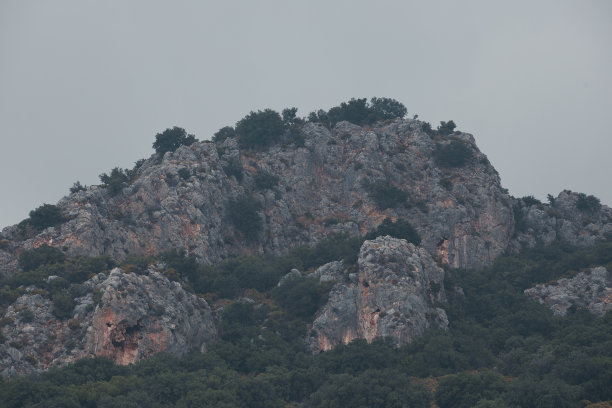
(85, 85)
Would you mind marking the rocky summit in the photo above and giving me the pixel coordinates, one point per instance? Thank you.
(218, 200)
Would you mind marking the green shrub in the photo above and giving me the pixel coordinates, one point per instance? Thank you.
(234, 168)
(446, 128)
(400, 229)
(4, 245)
(43, 255)
(426, 127)
(301, 297)
(114, 181)
(589, 203)
(223, 134)
(387, 108)
(454, 154)
(26, 316)
(243, 212)
(184, 173)
(47, 215)
(265, 180)
(171, 139)
(260, 129)
(385, 194)
(76, 187)
(63, 304)
(360, 112)
(528, 201)
(446, 183)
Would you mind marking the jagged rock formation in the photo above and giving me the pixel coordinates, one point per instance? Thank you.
(591, 290)
(135, 317)
(463, 214)
(561, 221)
(392, 295)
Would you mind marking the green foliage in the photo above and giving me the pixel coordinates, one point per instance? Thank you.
(467, 390)
(387, 108)
(47, 215)
(385, 194)
(171, 139)
(43, 255)
(589, 204)
(234, 168)
(360, 112)
(528, 201)
(265, 180)
(290, 118)
(454, 154)
(76, 187)
(260, 129)
(114, 181)
(224, 133)
(301, 297)
(243, 213)
(184, 173)
(426, 127)
(446, 128)
(400, 229)
(63, 304)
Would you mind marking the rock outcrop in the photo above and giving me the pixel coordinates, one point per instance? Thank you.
(591, 290)
(563, 220)
(125, 317)
(180, 200)
(393, 295)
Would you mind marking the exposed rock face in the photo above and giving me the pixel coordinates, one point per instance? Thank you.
(137, 316)
(591, 290)
(392, 295)
(467, 220)
(562, 221)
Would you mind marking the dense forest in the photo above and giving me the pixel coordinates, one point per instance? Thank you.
(501, 349)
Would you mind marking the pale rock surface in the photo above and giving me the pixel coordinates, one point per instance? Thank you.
(136, 317)
(591, 290)
(393, 295)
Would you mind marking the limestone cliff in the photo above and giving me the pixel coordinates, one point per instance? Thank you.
(392, 295)
(125, 317)
(180, 200)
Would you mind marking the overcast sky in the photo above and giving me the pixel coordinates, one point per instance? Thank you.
(85, 85)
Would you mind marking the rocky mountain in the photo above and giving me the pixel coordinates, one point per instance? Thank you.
(122, 316)
(345, 178)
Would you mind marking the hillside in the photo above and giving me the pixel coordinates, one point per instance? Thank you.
(260, 250)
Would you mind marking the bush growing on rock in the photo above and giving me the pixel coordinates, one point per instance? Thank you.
(446, 128)
(385, 194)
(454, 154)
(360, 112)
(171, 139)
(400, 229)
(234, 168)
(114, 181)
(243, 212)
(260, 129)
(265, 180)
(47, 215)
(587, 203)
(43, 255)
(224, 133)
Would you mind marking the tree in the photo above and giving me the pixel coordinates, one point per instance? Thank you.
(446, 128)
(115, 180)
(47, 215)
(224, 133)
(454, 154)
(243, 212)
(387, 108)
(171, 139)
(260, 129)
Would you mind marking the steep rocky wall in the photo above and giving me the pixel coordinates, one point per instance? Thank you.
(135, 317)
(392, 295)
(463, 215)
